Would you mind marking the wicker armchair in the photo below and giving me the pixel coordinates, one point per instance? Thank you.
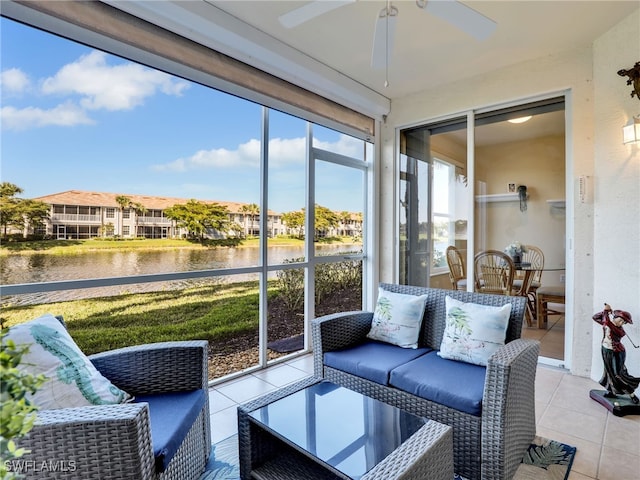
(489, 446)
(114, 441)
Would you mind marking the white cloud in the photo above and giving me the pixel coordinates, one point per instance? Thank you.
(66, 114)
(14, 80)
(246, 155)
(98, 85)
(348, 146)
(110, 87)
(282, 152)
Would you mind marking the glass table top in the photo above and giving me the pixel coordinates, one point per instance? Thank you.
(344, 429)
(547, 268)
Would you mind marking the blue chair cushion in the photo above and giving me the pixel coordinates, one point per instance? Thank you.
(171, 417)
(458, 385)
(372, 360)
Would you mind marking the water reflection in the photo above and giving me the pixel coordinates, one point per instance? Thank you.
(36, 268)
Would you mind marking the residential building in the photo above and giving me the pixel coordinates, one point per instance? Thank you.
(78, 214)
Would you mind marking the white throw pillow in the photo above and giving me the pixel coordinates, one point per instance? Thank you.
(71, 378)
(473, 332)
(397, 318)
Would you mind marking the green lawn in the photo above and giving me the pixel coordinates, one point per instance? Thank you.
(212, 313)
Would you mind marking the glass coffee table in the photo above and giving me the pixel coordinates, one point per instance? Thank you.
(315, 429)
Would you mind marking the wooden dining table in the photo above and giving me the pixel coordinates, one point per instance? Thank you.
(527, 279)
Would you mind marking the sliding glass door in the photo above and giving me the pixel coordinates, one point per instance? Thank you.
(432, 201)
(506, 187)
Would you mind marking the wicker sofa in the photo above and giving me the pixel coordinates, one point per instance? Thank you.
(489, 444)
(115, 441)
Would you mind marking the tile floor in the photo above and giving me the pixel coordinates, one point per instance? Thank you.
(551, 338)
(608, 446)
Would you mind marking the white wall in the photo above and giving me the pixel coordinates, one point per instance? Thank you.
(616, 172)
(616, 236)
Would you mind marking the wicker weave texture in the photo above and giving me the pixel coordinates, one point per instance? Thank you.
(427, 454)
(143, 369)
(488, 447)
(107, 442)
(251, 449)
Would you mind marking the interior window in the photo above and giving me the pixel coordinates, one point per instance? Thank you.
(443, 223)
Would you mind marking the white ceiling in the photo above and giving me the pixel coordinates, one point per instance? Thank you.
(428, 51)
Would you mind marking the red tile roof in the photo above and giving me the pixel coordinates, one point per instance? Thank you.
(104, 199)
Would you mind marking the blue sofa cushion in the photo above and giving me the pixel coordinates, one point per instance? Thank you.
(458, 385)
(171, 417)
(372, 360)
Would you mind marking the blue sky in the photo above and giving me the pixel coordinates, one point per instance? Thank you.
(77, 118)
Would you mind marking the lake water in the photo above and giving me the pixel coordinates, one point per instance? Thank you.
(36, 268)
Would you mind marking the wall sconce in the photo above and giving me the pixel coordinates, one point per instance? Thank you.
(631, 131)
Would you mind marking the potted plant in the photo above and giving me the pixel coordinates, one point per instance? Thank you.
(515, 251)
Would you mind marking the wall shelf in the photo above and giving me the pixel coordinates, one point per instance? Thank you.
(499, 197)
(557, 202)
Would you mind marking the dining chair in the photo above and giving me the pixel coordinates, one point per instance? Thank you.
(457, 271)
(494, 272)
(549, 294)
(535, 258)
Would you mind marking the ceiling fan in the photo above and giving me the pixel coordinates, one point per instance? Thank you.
(452, 11)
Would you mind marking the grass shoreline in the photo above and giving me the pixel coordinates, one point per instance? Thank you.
(226, 315)
(77, 247)
(213, 312)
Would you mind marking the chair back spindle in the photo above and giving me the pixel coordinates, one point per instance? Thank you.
(457, 271)
(494, 272)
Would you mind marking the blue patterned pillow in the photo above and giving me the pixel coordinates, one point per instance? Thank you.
(473, 332)
(71, 378)
(397, 318)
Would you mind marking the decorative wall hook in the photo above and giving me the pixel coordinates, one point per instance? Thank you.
(634, 78)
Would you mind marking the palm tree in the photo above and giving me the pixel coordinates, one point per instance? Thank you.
(345, 217)
(252, 210)
(124, 202)
(459, 320)
(140, 211)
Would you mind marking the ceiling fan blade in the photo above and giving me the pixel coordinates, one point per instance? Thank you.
(464, 17)
(383, 41)
(309, 11)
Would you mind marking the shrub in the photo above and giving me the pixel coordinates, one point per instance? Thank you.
(17, 414)
(290, 283)
(329, 278)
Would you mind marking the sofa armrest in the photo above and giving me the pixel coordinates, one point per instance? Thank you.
(104, 441)
(156, 367)
(508, 407)
(337, 331)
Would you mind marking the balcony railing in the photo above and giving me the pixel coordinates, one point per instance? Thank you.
(154, 221)
(68, 217)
